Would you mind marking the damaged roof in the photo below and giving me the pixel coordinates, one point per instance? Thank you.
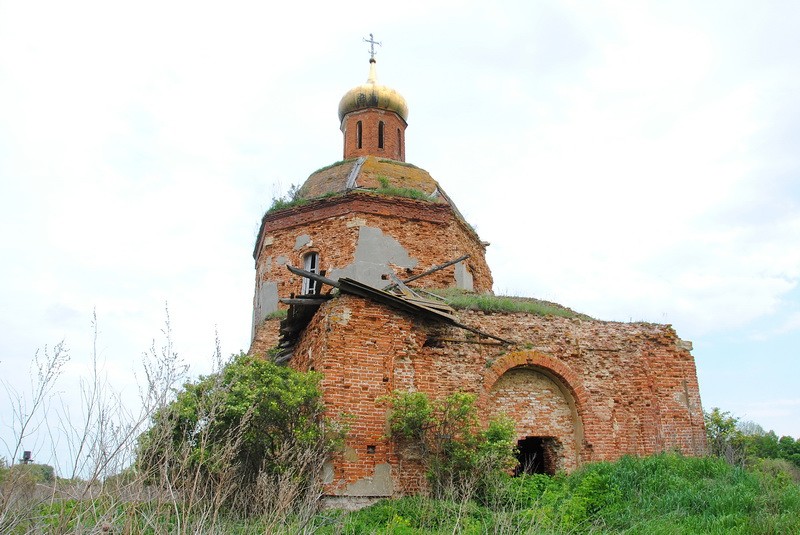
(302, 308)
(370, 173)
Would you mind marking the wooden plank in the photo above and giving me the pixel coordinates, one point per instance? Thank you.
(312, 276)
(458, 341)
(431, 270)
(405, 290)
(481, 333)
(304, 301)
(437, 297)
(444, 307)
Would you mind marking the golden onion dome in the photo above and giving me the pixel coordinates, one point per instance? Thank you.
(373, 95)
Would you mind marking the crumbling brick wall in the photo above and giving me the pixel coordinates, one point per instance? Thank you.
(424, 235)
(602, 389)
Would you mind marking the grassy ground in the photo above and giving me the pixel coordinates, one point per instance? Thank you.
(667, 494)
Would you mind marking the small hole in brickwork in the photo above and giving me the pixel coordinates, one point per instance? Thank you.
(537, 455)
(433, 342)
(370, 449)
(385, 379)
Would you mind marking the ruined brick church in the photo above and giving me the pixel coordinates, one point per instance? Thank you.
(366, 238)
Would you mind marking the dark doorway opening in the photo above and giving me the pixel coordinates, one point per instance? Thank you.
(536, 456)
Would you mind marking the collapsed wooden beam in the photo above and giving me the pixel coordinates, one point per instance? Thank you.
(428, 272)
(313, 276)
(413, 305)
(459, 341)
(304, 301)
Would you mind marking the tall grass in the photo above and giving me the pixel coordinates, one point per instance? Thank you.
(104, 490)
(665, 493)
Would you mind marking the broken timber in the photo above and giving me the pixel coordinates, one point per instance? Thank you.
(305, 302)
(303, 308)
(428, 272)
(313, 276)
(459, 341)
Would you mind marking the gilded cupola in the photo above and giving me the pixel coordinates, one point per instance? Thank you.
(371, 94)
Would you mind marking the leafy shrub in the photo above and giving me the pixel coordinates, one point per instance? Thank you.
(461, 459)
(746, 442)
(240, 435)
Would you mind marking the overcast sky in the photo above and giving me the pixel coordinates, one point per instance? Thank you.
(630, 160)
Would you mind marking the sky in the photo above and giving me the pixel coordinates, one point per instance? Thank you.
(633, 161)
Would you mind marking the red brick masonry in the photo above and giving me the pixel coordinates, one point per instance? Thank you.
(598, 390)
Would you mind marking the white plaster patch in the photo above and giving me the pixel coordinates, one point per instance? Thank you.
(266, 302)
(327, 472)
(380, 484)
(343, 317)
(356, 222)
(375, 252)
(463, 277)
(303, 240)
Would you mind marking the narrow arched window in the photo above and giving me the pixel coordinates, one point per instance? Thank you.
(310, 263)
(358, 135)
(380, 134)
(400, 143)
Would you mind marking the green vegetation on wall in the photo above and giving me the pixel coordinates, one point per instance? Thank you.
(461, 459)
(463, 300)
(290, 200)
(409, 193)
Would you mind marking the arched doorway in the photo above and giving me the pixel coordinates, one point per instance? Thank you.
(545, 417)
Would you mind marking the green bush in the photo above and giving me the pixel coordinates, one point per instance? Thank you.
(35, 473)
(461, 459)
(746, 442)
(240, 433)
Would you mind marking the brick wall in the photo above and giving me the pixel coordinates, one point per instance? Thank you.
(600, 389)
(430, 233)
(393, 134)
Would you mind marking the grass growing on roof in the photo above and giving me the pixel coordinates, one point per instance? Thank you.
(397, 162)
(409, 193)
(283, 204)
(459, 299)
(334, 164)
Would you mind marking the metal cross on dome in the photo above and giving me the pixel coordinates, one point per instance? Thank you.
(372, 42)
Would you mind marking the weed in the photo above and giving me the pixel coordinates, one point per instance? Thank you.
(334, 164)
(460, 299)
(397, 162)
